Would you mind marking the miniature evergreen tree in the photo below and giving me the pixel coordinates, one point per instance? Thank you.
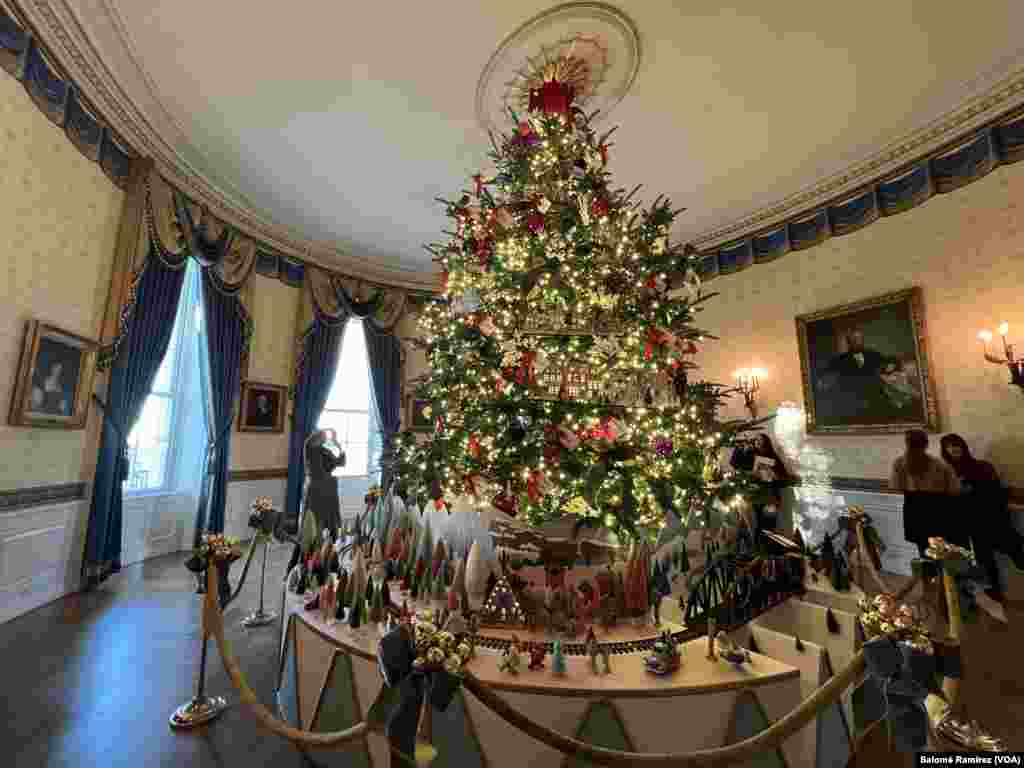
(355, 608)
(558, 666)
(377, 605)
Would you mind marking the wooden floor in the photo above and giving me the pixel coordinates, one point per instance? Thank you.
(91, 679)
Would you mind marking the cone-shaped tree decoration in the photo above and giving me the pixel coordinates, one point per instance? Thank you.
(342, 588)
(378, 554)
(558, 666)
(358, 576)
(476, 576)
(377, 606)
(395, 545)
(385, 596)
(440, 593)
(799, 645)
(830, 622)
(414, 587)
(459, 579)
(621, 608)
(453, 600)
(438, 559)
(355, 609)
(425, 550)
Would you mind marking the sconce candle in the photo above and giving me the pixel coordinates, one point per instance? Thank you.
(748, 382)
(1016, 367)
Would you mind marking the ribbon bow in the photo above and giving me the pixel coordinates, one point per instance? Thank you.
(903, 673)
(406, 687)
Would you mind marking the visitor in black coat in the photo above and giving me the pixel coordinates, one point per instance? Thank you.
(986, 510)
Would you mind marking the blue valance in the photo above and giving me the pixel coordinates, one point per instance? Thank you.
(810, 231)
(735, 257)
(853, 213)
(943, 172)
(48, 91)
(770, 245)
(966, 163)
(905, 191)
(84, 130)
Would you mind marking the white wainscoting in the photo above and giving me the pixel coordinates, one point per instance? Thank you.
(814, 510)
(40, 555)
(156, 525)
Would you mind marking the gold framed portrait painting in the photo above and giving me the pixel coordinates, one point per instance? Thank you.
(865, 367)
(263, 407)
(54, 380)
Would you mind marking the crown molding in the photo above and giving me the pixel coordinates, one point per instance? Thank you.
(151, 133)
(1006, 95)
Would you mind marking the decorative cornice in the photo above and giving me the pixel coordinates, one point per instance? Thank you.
(1001, 98)
(244, 475)
(57, 25)
(40, 496)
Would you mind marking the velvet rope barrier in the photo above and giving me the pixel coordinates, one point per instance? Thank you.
(866, 559)
(213, 626)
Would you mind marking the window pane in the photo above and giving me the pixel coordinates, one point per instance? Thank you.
(355, 459)
(351, 388)
(162, 382)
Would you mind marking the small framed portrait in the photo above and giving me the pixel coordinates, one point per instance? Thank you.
(262, 408)
(865, 367)
(418, 416)
(55, 378)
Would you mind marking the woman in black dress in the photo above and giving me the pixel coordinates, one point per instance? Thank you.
(772, 473)
(986, 510)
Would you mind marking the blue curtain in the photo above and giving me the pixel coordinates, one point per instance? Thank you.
(224, 318)
(384, 356)
(149, 330)
(321, 349)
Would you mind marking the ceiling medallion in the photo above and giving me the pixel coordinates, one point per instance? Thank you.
(593, 47)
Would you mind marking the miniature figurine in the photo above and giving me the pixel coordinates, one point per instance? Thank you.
(510, 658)
(537, 654)
(594, 650)
(729, 650)
(665, 658)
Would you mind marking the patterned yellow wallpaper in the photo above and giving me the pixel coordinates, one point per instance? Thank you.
(274, 306)
(966, 251)
(58, 227)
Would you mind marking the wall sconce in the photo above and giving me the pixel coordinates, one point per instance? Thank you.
(1016, 367)
(748, 382)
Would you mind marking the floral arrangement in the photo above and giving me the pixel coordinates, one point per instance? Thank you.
(882, 616)
(216, 547)
(437, 649)
(262, 515)
(940, 549)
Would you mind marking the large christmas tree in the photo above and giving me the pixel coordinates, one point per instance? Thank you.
(561, 347)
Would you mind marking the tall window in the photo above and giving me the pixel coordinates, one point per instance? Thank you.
(151, 443)
(348, 410)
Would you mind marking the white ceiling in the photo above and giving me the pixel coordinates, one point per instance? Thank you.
(343, 121)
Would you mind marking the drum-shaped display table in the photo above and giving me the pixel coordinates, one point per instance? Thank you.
(329, 678)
